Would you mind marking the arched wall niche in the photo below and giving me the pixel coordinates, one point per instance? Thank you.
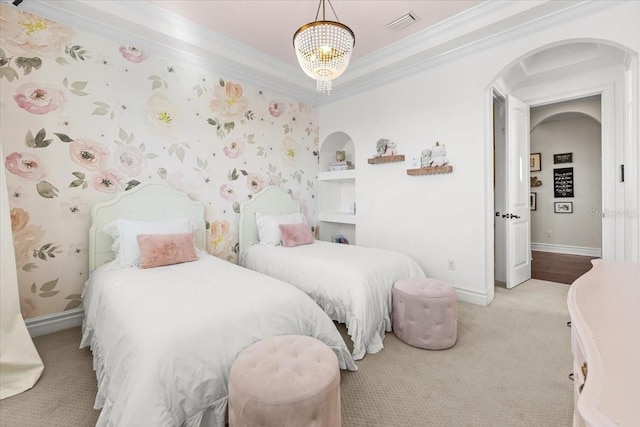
(335, 141)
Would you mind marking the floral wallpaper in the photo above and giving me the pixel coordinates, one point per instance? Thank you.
(83, 118)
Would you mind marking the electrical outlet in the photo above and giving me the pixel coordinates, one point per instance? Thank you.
(452, 264)
(549, 233)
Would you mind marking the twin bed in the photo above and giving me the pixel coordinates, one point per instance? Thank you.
(164, 338)
(351, 283)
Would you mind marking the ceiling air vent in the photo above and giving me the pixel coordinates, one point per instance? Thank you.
(403, 21)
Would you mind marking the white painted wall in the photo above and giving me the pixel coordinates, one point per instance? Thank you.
(434, 218)
(582, 228)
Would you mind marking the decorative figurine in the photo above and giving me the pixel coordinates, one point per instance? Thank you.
(439, 155)
(391, 149)
(425, 158)
(381, 146)
(341, 162)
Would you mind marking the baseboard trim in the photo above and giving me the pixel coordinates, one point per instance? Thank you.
(55, 322)
(474, 297)
(566, 249)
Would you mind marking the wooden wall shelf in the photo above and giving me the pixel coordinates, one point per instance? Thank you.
(386, 159)
(430, 171)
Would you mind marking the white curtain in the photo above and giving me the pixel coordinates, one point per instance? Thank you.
(20, 363)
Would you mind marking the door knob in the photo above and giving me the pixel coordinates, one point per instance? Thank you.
(509, 215)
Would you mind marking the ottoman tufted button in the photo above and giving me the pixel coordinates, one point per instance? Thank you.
(296, 383)
(428, 317)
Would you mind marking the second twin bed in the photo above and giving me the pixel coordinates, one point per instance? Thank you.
(351, 283)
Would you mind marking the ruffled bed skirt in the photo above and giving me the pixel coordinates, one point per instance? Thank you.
(361, 344)
(213, 416)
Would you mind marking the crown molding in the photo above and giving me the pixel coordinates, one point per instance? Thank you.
(155, 29)
(453, 43)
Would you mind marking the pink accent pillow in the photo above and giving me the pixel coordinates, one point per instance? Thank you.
(157, 250)
(296, 234)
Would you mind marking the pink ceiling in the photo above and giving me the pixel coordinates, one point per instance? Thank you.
(268, 26)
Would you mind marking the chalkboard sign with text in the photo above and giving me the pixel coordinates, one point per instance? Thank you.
(563, 182)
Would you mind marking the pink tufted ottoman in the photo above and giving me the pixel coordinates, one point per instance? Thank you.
(285, 381)
(425, 313)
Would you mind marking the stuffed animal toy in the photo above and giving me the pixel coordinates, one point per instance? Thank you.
(425, 158)
(439, 155)
(381, 146)
(340, 156)
(391, 149)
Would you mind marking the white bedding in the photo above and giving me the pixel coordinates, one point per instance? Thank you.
(164, 339)
(351, 283)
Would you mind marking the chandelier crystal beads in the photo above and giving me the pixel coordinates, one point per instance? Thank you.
(323, 49)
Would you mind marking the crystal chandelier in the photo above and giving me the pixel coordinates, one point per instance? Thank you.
(324, 48)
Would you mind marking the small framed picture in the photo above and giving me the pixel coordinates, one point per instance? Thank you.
(563, 207)
(563, 158)
(533, 201)
(534, 162)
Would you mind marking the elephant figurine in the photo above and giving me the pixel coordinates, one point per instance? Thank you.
(425, 158)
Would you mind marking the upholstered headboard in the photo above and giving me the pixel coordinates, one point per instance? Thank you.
(271, 200)
(152, 201)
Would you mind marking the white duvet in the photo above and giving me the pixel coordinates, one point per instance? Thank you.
(351, 283)
(163, 339)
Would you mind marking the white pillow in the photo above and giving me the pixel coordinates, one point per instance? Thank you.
(269, 226)
(125, 232)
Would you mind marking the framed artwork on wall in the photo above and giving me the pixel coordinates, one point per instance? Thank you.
(563, 158)
(563, 182)
(563, 207)
(534, 162)
(533, 201)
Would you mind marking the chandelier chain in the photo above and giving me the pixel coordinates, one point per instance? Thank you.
(324, 18)
(334, 11)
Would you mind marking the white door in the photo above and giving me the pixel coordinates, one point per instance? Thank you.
(500, 187)
(517, 217)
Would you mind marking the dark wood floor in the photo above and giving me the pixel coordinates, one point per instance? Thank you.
(561, 268)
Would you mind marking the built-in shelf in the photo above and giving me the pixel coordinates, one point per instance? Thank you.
(337, 175)
(430, 171)
(336, 189)
(339, 217)
(386, 159)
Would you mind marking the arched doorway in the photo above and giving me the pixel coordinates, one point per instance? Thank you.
(566, 191)
(567, 71)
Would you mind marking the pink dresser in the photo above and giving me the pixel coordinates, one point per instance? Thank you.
(604, 305)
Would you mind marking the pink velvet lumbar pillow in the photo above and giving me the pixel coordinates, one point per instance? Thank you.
(157, 250)
(296, 234)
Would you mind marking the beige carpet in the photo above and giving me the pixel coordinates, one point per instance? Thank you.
(508, 368)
